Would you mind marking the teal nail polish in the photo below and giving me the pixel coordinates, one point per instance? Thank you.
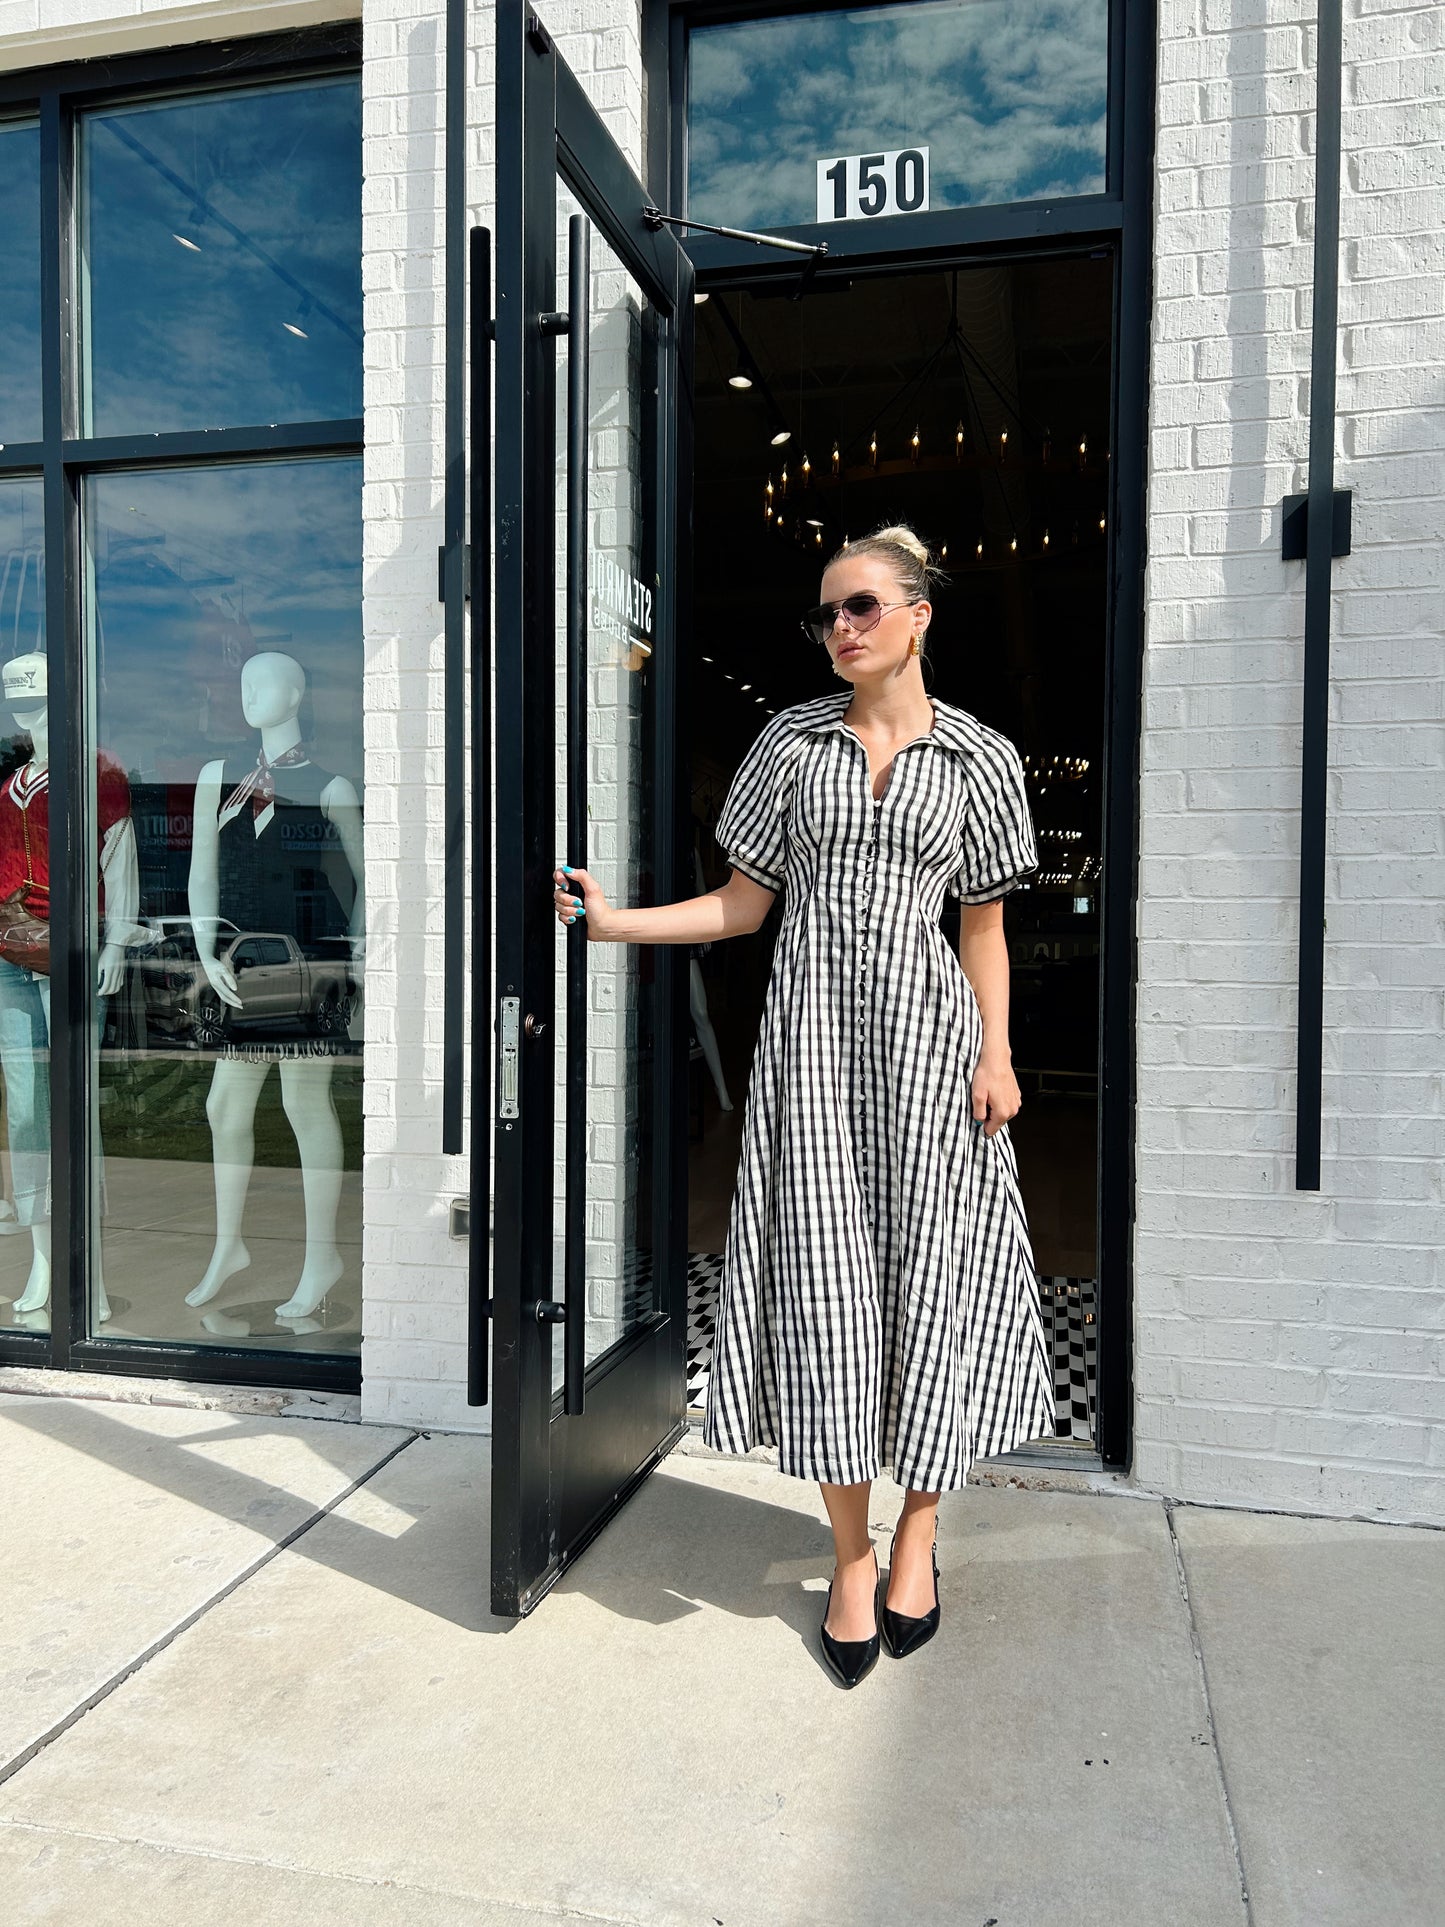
(566, 869)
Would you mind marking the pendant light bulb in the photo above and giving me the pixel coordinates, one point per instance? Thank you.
(807, 466)
(914, 444)
(873, 451)
(837, 458)
(784, 480)
(740, 378)
(781, 435)
(958, 443)
(1002, 443)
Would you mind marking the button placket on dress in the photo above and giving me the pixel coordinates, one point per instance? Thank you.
(869, 863)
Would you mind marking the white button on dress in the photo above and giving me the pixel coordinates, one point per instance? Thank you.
(879, 1308)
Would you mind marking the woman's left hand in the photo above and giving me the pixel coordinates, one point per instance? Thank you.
(996, 1095)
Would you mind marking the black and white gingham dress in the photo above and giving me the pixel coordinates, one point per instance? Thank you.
(879, 1307)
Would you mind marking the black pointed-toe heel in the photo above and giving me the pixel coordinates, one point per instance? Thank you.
(850, 1660)
(903, 1634)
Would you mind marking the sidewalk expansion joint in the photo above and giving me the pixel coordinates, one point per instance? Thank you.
(9, 1768)
(1214, 1747)
(539, 1910)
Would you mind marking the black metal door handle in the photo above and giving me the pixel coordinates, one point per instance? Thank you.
(579, 369)
(479, 1252)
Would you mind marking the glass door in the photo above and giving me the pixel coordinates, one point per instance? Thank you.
(592, 331)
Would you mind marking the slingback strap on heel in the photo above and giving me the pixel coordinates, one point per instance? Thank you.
(902, 1633)
(850, 1660)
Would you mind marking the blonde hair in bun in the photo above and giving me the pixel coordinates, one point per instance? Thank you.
(905, 552)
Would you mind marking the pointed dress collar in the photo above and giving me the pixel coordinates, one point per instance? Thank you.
(952, 728)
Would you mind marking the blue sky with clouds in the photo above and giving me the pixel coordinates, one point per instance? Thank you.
(1009, 96)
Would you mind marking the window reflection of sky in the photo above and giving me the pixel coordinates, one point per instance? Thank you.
(1009, 95)
(20, 283)
(196, 570)
(222, 239)
(22, 578)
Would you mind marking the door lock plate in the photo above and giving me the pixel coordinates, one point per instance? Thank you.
(509, 1040)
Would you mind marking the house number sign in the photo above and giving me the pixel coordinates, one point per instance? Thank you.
(859, 186)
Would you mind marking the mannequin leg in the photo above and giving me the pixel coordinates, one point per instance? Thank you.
(306, 1093)
(25, 1059)
(37, 1285)
(101, 1305)
(231, 1109)
(706, 1035)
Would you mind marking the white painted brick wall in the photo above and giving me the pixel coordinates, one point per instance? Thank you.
(1290, 1348)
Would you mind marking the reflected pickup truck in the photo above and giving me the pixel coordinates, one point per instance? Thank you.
(276, 981)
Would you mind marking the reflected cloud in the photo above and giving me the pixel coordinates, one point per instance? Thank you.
(193, 572)
(1009, 95)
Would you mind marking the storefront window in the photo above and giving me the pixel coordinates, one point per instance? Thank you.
(210, 1119)
(999, 100)
(223, 617)
(20, 282)
(221, 259)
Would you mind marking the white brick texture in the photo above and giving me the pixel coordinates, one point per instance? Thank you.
(1290, 1347)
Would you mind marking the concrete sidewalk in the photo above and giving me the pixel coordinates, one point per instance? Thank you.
(299, 1709)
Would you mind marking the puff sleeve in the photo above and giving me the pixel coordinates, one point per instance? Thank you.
(752, 828)
(999, 851)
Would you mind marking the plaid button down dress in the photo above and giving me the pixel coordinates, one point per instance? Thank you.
(879, 1308)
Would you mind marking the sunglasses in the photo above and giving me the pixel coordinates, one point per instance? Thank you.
(863, 611)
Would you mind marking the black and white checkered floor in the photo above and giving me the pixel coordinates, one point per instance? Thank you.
(1069, 1332)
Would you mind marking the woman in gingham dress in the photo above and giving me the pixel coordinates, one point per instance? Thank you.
(879, 1306)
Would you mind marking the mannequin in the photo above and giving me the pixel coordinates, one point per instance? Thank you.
(25, 994)
(258, 832)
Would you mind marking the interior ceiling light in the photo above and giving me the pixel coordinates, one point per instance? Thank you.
(194, 246)
(292, 329)
(780, 435)
(700, 296)
(740, 378)
(813, 521)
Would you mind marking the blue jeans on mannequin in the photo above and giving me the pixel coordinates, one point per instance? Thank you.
(25, 1063)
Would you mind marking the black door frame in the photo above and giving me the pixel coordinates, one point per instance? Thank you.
(557, 1478)
(1121, 220)
(62, 461)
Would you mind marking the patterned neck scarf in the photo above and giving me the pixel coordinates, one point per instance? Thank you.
(258, 787)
